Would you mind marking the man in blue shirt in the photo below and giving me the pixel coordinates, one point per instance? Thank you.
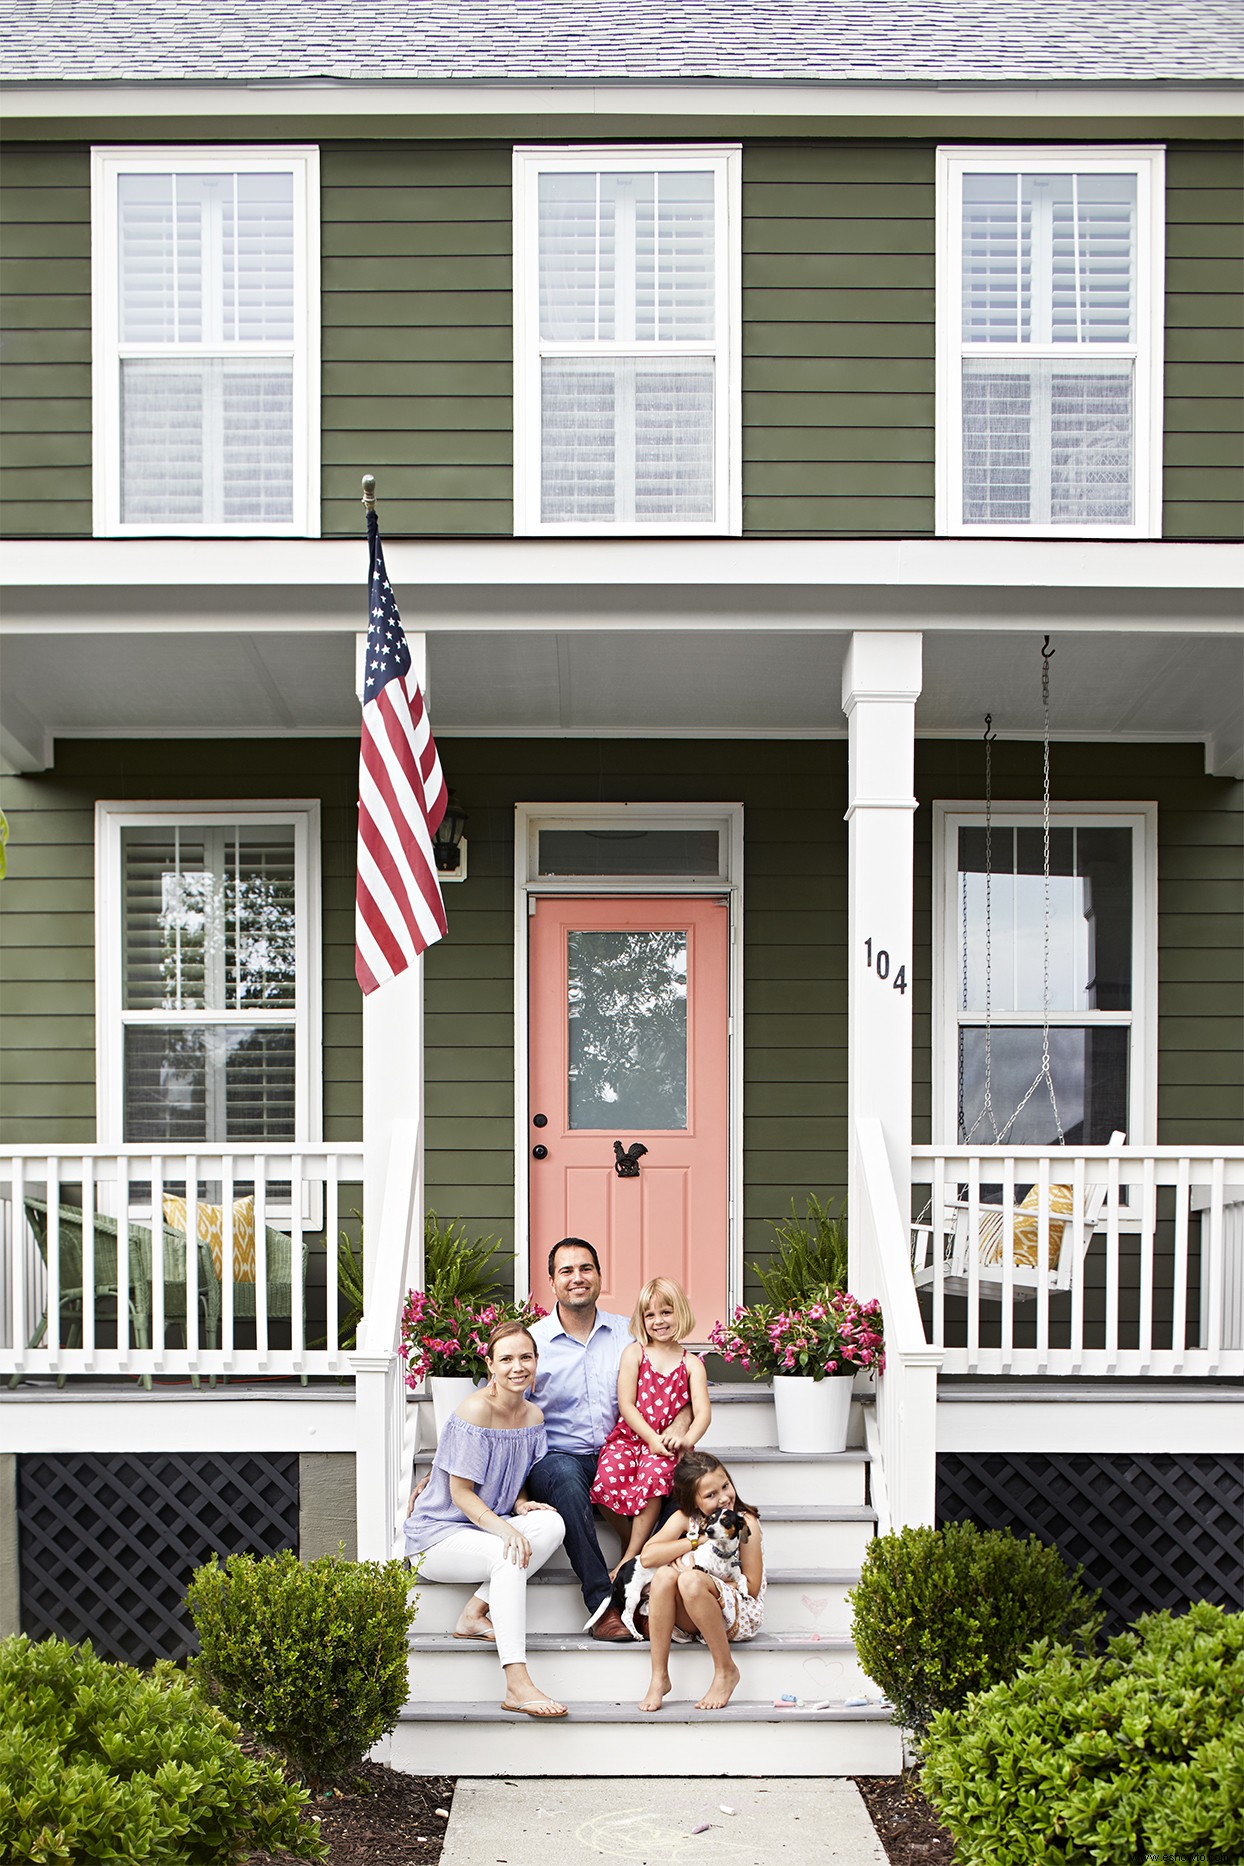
(577, 1391)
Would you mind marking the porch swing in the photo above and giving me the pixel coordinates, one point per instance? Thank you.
(976, 1228)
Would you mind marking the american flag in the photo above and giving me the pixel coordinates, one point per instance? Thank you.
(402, 798)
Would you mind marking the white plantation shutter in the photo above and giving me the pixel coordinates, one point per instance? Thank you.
(208, 927)
(1049, 267)
(206, 304)
(630, 344)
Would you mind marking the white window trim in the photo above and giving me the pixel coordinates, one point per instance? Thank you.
(107, 165)
(726, 160)
(1148, 161)
(1142, 820)
(110, 819)
(529, 820)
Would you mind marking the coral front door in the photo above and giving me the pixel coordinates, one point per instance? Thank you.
(629, 1092)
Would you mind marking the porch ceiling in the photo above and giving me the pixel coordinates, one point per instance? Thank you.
(651, 676)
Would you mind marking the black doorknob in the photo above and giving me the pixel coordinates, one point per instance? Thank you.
(539, 1153)
(539, 1120)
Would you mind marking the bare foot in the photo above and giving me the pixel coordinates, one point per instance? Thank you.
(720, 1691)
(474, 1623)
(656, 1692)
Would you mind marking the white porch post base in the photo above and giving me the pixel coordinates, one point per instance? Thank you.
(880, 685)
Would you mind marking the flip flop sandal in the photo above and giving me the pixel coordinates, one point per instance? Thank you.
(528, 1709)
(484, 1639)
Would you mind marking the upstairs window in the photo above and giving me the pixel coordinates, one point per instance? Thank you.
(626, 340)
(1050, 341)
(205, 342)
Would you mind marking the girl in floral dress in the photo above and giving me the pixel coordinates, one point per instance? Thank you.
(657, 1379)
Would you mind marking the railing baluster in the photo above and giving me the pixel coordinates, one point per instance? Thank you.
(1077, 1247)
(1006, 1321)
(52, 1336)
(1212, 1264)
(974, 1261)
(297, 1267)
(157, 1284)
(1043, 1263)
(17, 1265)
(1148, 1229)
(87, 1291)
(124, 1274)
(1179, 1294)
(332, 1294)
(261, 1256)
(1112, 1265)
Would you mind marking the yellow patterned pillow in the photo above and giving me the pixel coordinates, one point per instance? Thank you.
(1025, 1228)
(211, 1228)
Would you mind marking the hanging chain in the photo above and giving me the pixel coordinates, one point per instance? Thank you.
(1044, 1074)
(986, 1107)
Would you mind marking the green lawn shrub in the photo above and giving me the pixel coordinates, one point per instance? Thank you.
(104, 1764)
(1132, 1756)
(940, 1613)
(309, 1657)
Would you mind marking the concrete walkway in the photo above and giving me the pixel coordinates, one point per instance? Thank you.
(666, 1822)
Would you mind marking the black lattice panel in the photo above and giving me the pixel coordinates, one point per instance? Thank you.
(108, 1544)
(1149, 1532)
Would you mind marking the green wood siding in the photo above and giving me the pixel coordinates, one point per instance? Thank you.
(838, 338)
(1203, 452)
(417, 336)
(795, 1041)
(45, 321)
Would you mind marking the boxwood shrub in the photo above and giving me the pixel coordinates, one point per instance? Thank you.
(103, 1763)
(309, 1657)
(939, 1613)
(1135, 1755)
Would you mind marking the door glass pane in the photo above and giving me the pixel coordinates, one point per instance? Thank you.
(1089, 1067)
(627, 1008)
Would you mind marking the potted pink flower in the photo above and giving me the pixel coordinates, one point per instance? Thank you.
(443, 1340)
(812, 1353)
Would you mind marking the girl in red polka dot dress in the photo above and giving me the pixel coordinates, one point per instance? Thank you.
(657, 1379)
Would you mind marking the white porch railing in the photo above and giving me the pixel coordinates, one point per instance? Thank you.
(382, 1458)
(96, 1277)
(1140, 1271)
(903, 1434)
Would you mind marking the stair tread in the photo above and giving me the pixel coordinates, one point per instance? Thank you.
(807, 1577)
(583, 1642)
(764, 1454)
(740, 1711)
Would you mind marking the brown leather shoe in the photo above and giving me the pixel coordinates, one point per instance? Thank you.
(610, 1627)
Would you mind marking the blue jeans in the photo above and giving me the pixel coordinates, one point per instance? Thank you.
(564, 1479)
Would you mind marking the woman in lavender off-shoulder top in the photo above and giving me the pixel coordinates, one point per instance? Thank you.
(473, 1522)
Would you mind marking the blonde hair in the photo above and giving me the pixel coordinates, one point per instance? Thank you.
(661, 1286)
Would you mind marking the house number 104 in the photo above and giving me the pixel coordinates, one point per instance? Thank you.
(879, 961)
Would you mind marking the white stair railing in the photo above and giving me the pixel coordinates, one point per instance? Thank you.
(98, 1279)
(1145, 1280)
(394, 1258)
(904, 1436)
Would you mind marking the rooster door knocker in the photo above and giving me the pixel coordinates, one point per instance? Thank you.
(626, 1160)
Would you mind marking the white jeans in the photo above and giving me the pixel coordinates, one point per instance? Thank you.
(474, 1555)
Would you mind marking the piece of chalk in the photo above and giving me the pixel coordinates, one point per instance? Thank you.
(854, 1703)
(724, 1808)
(702, 1828)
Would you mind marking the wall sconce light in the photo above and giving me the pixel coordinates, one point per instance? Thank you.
(449, 846)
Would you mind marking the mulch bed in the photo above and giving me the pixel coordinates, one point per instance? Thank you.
(379, 1818)
(906, 1825)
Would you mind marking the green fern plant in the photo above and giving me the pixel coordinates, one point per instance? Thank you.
(349, 1284)
(811, 1255)
(455, 1265)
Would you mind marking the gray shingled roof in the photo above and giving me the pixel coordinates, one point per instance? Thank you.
(824, 41)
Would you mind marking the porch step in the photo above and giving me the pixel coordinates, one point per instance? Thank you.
(577, 1668)
(798, 1600)
(749, 1737)
(767, 1477)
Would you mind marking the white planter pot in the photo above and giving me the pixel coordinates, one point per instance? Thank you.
(448, 1393)
(812, 1415)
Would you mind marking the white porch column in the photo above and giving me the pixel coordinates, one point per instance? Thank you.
(392, 1058)
(880, 685)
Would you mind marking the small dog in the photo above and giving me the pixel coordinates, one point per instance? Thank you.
(718, 1554)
